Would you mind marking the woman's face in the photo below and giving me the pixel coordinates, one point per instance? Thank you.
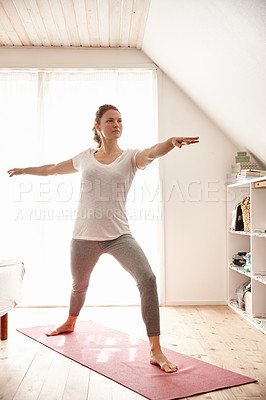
(110, 125)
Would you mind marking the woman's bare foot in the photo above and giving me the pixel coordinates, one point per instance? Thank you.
(67, 326)
(157, 357)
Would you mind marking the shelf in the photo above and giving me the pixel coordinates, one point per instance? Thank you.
(260, 278)
(260, 323)
(246, 182)
(259, 234)
(234, 304)
(236, 184)
(240, 270)
(255, 234)
(254, 242)
(240, 233)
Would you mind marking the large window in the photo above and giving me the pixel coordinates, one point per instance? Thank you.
(47, 117)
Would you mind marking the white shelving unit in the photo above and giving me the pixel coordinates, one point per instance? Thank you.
(254, 241)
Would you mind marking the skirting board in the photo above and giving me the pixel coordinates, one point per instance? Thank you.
(167, 304)
(194, 303)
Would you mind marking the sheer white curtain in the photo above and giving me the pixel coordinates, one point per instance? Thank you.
(46, 117)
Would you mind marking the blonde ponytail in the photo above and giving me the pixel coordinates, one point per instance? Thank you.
(97, 138)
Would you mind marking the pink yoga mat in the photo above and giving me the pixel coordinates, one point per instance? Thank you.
(125, 360)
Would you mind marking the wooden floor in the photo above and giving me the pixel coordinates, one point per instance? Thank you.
(215, 334)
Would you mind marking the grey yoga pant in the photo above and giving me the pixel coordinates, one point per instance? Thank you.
(84, 256)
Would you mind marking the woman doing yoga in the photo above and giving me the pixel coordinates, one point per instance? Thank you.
(101, 225)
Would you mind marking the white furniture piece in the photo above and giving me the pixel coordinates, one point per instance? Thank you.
(11, 278)
(254, 242)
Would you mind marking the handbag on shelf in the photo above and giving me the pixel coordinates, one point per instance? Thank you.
(237, 219)
(245, 206)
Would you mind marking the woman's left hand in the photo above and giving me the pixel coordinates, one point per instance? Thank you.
(182, 141)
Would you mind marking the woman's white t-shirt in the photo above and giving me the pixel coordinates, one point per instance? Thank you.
(101, 213)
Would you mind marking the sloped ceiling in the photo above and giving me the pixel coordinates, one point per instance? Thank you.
(216, 52)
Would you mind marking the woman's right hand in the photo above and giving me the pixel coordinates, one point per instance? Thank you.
(15, 171)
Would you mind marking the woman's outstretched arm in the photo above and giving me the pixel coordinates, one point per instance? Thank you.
(65, 167)
(145, 157)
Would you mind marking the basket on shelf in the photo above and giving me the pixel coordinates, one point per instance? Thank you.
(245, 206)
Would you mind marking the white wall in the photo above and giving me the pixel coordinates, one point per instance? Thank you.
(194, 224)
(195, 212)
(215, 51)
